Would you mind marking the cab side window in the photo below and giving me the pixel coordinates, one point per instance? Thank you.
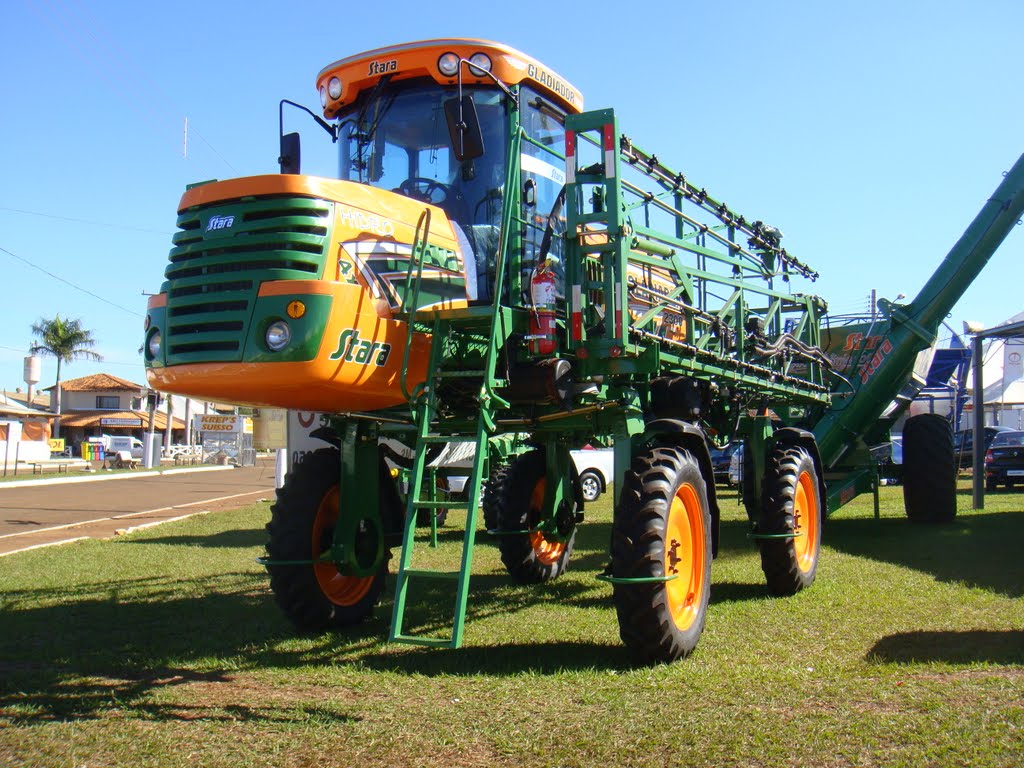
(542, 165)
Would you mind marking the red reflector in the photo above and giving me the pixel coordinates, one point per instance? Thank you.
(609, 136)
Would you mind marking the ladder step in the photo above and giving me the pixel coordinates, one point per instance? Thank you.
(428, 642)
(482, 312)
(424, 504)
(448, 439)
(429, 574)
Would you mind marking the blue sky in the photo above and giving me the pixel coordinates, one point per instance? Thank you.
(870, 133)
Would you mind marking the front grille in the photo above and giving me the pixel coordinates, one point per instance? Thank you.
(222, 253)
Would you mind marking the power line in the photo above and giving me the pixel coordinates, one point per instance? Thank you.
(67, 282)
(105, 361)
(86, 221)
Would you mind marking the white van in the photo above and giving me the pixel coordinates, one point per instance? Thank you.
(114, 443)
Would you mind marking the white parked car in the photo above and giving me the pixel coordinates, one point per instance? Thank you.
(596, 468)
(736, 467)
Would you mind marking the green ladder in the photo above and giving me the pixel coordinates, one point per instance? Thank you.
(446, 323)
(493, 323)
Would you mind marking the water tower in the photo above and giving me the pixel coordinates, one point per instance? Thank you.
(33, 368)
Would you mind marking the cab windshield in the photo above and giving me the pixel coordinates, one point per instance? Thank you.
(395, 137)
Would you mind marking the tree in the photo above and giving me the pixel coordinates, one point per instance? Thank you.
(65, 340)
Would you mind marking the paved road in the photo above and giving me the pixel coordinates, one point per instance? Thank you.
(51, 512)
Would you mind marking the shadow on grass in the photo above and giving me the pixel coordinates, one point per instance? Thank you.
(979, 550)
(970, 647)
(238, 539)
(505, 659)
(81, 652)
(114, 645)
(732, 592)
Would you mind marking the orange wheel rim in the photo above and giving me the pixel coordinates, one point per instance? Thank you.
(339, 589)
(685, 557)
(547, 552)
(805, 514)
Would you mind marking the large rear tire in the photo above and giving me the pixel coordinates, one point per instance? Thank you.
(929, 469)
(662, 528)
(318, 596)
(530, 557)
(791, 505)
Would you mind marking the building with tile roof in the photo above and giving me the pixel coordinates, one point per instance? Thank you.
(102, 404)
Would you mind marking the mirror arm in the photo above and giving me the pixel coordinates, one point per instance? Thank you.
(331, 129)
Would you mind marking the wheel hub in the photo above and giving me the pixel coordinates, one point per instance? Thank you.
(673, 556)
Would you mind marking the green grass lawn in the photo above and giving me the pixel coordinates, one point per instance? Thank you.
(164, 648)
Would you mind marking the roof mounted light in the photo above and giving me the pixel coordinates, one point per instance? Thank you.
(334, 88)
(323, 96)
(448, 64)
(480, 64)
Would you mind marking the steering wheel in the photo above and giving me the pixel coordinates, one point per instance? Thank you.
(428, 190)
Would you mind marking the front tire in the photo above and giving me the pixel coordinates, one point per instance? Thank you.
(529, 556)
(792, 511)
(662, 528)
(316, 596)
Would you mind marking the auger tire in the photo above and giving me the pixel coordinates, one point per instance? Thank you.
(929, 469)
(317, 597)
(529, 558)
(791, 505)
(662, 528)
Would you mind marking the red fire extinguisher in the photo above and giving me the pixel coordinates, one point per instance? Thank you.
(542, 312)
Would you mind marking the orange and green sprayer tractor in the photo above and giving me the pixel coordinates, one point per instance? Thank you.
(493, 263)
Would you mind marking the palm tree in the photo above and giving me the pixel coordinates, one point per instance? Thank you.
(65, 340)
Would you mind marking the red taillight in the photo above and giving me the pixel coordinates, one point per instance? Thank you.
(988, 456)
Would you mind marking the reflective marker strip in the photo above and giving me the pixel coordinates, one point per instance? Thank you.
(609, 151)
(618, 310)
(570, 157)
(577, 317)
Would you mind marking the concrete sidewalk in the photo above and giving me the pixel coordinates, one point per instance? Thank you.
(59, 478)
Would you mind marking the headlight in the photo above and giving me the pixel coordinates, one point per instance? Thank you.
(153, 345)
(323, 96)
(479, 64)
(448, 64)
(278, 336)
(334, 88)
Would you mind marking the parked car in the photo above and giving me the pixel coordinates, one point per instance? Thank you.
(720, 459)
(1004, 460)
(963, 444)
(736, 466)
(596, 468)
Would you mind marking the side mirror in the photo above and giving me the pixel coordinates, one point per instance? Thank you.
(464, 128)
(290, 159)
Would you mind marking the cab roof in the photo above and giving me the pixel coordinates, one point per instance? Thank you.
(421, 59)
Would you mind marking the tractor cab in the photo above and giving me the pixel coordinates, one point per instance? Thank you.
(467, 126)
